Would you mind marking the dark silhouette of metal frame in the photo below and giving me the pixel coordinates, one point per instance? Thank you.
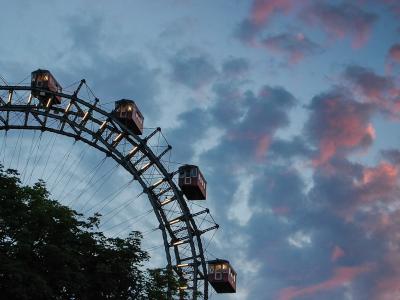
(74, 118)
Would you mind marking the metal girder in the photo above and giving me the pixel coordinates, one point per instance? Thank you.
(101, 139)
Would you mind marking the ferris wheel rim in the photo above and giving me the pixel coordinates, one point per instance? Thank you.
(197, 261)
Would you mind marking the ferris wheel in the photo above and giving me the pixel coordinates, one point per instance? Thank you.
(119, 134)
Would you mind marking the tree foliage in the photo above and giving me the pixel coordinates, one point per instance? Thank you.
(49, 251)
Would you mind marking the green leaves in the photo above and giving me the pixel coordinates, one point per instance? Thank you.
(48, 251)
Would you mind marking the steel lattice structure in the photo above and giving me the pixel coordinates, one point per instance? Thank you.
(86, 122)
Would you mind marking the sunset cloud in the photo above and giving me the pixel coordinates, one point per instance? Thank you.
(393, 59)
(342, 20)
(381, 91)
(338, 124)
(260, 14)
(394, 53)
(341, 276)
(263, 9)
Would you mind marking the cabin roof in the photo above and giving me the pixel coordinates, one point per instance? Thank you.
(41, 70)
(124, 101)
(218, 261)
(187, 166)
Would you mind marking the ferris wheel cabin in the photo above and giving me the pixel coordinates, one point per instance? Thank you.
(128, 113)
(222, 276)
(45, 81)
(192, 182)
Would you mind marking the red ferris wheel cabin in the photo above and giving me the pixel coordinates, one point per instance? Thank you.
(45, 81)
(222, 276)
(128, 113)
(192, 182)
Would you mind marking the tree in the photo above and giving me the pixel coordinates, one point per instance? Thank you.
(49, 251)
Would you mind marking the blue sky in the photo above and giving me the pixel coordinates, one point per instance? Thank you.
(290, 108)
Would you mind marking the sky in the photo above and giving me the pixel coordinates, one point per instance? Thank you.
(290, 108)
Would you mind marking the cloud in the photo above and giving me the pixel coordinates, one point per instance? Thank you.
(288, 149)
(293, 46)
(192, 70)
(235, 67)
(394, 53)
(342, 20)
(261, 12)
(246, 31)
(380, 91)
(393, 59)
(338, 124)
(112, 77)
(266, 112)
(372, 86)
(337, 253)
(341, 276)
(392, 155)
(263, 9)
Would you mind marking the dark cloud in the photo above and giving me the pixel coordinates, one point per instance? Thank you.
(229, 104)
(380, 91)
(85, 34)
(392, 155)
(192, 70)
(186, 137)
(373, 86)
(393, 59)
(293, 46)
(266, 112)
(394, 52)
(246, 31)
(341, 20)
(235, 67)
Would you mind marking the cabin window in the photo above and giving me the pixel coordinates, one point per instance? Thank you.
(187, 173)
(194, 172)
(218, 267)
(181, 174)
(211, 269)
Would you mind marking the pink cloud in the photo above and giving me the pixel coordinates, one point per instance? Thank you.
(388, 289)
(281, 210)
(262, 147)
(260, 14)
(339, 125)
(393, 58)
(341, 276)
(337, 253)
(381, 91)
(394, 53)
(342, 20)
(378, 182)
(263, 9)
